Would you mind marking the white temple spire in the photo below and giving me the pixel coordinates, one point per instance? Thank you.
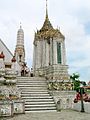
(20, 51)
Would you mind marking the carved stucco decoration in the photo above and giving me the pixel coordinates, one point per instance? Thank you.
(50, 33)
(47, 31)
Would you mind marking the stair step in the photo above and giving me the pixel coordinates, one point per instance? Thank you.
(40, 111)
(33, 95)
(37, 97)
(38, 108)
(32, 81)
(34, 92)
(39, 100)
(33, 78)
(31, 85)
(42, 105)
(39, 103)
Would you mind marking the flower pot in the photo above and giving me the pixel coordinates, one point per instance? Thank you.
(2, 97)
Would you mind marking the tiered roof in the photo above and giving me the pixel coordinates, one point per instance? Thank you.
(47, 30)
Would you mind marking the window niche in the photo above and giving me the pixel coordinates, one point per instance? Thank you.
(59, 60)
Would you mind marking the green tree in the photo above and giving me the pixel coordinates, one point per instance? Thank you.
(75, 79)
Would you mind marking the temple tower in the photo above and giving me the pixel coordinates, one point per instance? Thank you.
(19, 50)
(49, 57)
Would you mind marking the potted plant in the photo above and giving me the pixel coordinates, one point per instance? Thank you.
(2, 96)
(13, 97)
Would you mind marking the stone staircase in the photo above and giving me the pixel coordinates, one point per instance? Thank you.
(35, 93)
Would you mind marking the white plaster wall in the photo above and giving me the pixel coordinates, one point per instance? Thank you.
(2, 63)
(34, 57)
(50, 52)
(43, 54)
(63, 53)
(16, 67)
(38, 54)
(8, 56)
(7, 53)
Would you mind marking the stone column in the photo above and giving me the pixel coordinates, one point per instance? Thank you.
(64, 53)
(34, 57)
(47, 54)
(51, 53)
(43, 54)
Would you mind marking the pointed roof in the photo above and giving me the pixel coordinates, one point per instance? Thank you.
(47, 24)
(47, 29)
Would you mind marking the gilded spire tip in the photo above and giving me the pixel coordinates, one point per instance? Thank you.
(46, 9)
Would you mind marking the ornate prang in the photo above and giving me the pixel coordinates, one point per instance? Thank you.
(19, 50)
(48, 42)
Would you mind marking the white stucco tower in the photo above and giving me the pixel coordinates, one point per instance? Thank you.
(49, 57)
(19, 50)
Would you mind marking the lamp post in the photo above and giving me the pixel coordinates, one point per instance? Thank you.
(81, 97)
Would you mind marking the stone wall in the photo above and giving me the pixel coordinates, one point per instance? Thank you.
(63, 99)
(57, 72)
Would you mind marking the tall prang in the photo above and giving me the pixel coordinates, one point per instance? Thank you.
(20, 50)
(49, 57)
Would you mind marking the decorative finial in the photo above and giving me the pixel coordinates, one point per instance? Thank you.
(2, 55)
(20, 25)
(46, 10)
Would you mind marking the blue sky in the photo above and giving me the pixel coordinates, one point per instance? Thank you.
(72, 16)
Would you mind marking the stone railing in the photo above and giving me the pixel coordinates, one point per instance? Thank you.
(63, 99)
(11, 107)
(10, 96)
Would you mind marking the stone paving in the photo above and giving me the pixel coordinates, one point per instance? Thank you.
(63, 115)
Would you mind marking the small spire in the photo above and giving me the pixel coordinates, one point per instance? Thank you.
(20, 25)
(46, 10)
(47, 25)
(2, 55)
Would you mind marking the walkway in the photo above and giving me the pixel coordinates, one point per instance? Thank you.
(63, 115)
